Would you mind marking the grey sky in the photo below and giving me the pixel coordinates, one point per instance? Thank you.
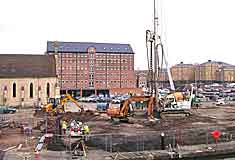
(196, 30)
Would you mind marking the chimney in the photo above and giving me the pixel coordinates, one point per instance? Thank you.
(209, 60)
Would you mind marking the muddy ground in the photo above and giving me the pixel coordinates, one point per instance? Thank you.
(194, 129)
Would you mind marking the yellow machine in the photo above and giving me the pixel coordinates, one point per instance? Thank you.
(122, 112)
(56, 105)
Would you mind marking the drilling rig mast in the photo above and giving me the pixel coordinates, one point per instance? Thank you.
(155, 50)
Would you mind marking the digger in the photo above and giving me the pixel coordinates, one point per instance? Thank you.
(56, 105)
(122, 113)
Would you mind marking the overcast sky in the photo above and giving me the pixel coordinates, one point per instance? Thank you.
(196, 30)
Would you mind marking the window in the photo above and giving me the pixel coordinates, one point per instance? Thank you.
(31, 90)
(91, 84)
(48, 90)
(14, 89)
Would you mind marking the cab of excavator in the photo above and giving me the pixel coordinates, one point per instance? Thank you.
(54, 101)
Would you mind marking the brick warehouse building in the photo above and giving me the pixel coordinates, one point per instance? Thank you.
(93, 68)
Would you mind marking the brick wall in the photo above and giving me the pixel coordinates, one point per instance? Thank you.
(110, 70)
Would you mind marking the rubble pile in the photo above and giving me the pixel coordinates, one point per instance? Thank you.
(54, 121)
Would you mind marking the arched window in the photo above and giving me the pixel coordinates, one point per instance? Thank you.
(31, 90)
(48, 90)
(14, 89)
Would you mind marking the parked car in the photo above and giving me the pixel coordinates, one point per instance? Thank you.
(220, 102)
(103, 99)
(5, 110)
(116, 101)
(82, 99)
(91, 98)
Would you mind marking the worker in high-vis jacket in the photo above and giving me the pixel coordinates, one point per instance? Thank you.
(85, 129)
(64, 126)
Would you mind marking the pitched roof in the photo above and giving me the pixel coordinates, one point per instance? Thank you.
(183, 65)
(216, 62)
(20, 66)
(81, 47)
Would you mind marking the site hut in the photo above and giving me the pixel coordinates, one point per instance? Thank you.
(85, 68)
(27, 80)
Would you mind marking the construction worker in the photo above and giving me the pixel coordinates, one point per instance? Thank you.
(64, 126)
(85, 129)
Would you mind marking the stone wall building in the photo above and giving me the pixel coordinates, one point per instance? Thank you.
(229, 74)
(183, 72)
(208, 72)
(27, 80)
(212, 71)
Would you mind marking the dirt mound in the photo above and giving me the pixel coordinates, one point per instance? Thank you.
(83, 116)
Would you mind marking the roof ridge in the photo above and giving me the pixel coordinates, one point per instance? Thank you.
(89, 42)
(14, 54)
(82, 47)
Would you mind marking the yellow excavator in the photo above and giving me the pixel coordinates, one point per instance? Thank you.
(56, 105)
(122, 113)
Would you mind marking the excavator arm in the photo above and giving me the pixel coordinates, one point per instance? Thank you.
(58, 106)
(69, 97)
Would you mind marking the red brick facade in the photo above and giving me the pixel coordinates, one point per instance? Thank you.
(94, 70)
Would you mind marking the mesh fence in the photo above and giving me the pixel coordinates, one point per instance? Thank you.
(143, 141)
(125, 142)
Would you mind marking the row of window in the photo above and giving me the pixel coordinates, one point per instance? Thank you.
(112, 61)
(97, 56)
(102, 61)
(74, 55)
(67, 81)
(114, 68)
(98, 81)
(82, 76)
(31, 89)
(125, 81)
(113, 76)
(99, 68)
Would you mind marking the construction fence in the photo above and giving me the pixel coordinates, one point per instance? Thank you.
(133, 142)
(156, 141)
